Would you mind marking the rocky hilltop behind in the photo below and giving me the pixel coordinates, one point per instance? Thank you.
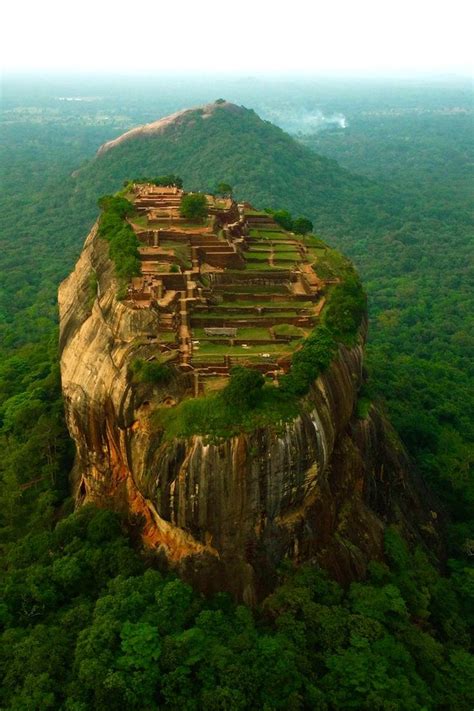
(223, 141)
(175, 121)
(212, 366)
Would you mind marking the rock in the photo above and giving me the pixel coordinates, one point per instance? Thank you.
(226, 514)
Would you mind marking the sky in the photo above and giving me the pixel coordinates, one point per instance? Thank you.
(311, 37)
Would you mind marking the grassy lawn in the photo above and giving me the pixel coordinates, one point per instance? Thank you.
(160, 267)
(253, 266)
(254, 332)
(238, 321)
(251, 312)
(267, 304)
(210, 415)
(167, 336)
(312, 241)
(253, 352)
(287, 329)
(213, 385)
(244, 332)
(261, 256)
(205, 349)
(249, 211)
(247, 307)
(272, 237)
(257, 289)
(176, 225)
(271, 233)
(315, 254)
(140, 220)
(284, 248)
(226, 316)
(180, 250)
(287, 256)
(268, 234)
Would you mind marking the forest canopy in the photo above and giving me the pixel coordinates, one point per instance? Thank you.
(86, 621)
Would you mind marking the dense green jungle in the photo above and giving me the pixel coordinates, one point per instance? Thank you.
(88, 620)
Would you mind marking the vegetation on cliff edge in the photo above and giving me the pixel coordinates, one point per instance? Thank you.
(123, 242)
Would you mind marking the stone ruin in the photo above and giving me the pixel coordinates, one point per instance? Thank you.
(235, 289)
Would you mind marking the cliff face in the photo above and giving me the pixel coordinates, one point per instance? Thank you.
(225, 514)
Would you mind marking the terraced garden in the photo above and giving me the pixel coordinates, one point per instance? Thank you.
(245, 294)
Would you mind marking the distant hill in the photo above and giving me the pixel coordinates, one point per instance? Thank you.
(258, 159)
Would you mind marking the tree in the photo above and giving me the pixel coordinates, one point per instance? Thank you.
(284, 219)
(224, 189)
(144, 371)
(302, 226)
(170, 180)
(194, 206)
(116, 205)
(244, 388)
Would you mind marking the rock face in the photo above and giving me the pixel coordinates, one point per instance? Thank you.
(225, 514)
(160, 126)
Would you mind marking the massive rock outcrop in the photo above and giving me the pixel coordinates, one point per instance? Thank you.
(226, 513)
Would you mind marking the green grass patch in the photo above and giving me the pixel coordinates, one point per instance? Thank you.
(228, 306)
(273, 237)
(258, 332)
(272, 227)
(293, 304)
(287, 256)
(284, 248)
(251, 354)
(317, 252)
(211, 416)
(240, 315)
(167, 336)
(287, 329)
(181, 251)
(140, 221)
(226, 316)
(253, 332)
(261, 256)
(261, 267)
(312, 241)
(257, 289)
(260, 213)
(177, 225)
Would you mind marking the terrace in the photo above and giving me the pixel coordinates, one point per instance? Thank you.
(232, 289)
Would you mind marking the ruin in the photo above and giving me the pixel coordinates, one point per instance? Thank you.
(234, 289)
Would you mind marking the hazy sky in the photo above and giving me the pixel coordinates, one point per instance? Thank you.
(248, 36)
